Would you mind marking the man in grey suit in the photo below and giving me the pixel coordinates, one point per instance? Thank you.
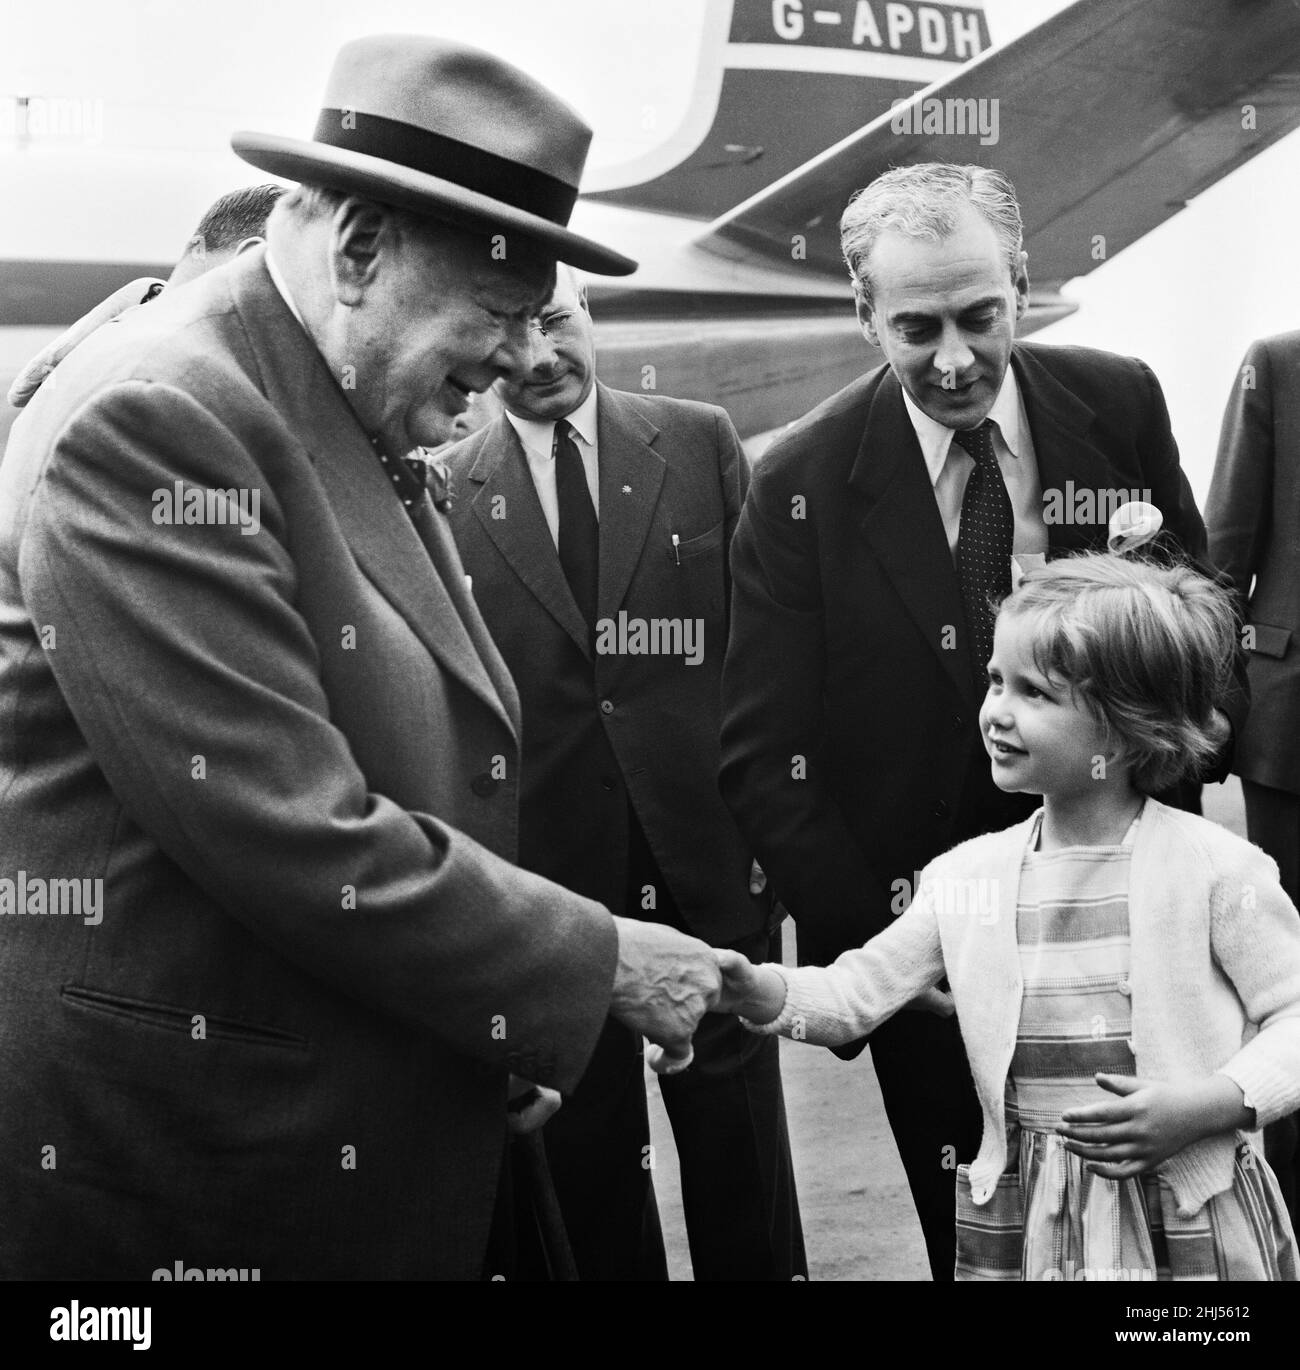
(265, 966)
(595, 525)
(1253, 519)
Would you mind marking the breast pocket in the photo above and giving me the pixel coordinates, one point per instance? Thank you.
(690, 548)
(699, 567)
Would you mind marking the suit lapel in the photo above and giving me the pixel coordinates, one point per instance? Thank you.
(631, 477)
(1058, 423)
(520, 533)
(375, 525)
(902, 523)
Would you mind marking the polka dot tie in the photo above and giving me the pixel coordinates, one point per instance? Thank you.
(985, 541)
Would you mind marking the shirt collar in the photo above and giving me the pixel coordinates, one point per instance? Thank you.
(1008, 412)
(539, 433)
(282, 286)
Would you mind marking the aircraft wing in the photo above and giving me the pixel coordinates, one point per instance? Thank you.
(1111, 116)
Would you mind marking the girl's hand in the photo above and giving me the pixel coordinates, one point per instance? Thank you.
(747, 989)
(1150, 1121)
(933, 1000)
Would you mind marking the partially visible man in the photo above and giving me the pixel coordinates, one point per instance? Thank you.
(595, 525)
(234, 223)
(876, 534)
(1253, 516)
(257, 749)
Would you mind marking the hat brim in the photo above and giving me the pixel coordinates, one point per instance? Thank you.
(300, 159)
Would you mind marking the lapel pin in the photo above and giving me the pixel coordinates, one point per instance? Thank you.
(627, 489)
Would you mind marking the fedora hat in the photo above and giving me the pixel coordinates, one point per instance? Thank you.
(449, 131)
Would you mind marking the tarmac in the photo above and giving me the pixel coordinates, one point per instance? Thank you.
(858, 1219)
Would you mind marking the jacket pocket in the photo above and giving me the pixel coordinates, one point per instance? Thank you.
(173, 1019)
(698, 546)
(1270, 641)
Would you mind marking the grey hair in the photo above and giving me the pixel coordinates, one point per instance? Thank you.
(923, 202)
(306, 203)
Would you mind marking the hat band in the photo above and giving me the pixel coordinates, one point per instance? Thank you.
(522, 186)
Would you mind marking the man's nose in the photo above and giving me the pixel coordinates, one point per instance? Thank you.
(524, 350)
(953, 355)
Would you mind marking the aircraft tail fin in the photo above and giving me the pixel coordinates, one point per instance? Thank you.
(780, 82)
(1165, 97)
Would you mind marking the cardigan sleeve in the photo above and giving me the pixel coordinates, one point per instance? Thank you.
(831, 1005)
(1255, 937)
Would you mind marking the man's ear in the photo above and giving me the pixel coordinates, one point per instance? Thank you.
(1021, 283)
(866, 320)
(360, 232)
(246, 243)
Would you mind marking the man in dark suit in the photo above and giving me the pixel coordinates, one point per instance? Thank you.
(874, 535)
(594, 526)
(1253, 515)
(266, 966)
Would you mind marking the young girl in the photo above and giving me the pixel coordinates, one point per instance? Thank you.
(1126, 975)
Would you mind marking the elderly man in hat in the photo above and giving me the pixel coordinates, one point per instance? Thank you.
(265, 966)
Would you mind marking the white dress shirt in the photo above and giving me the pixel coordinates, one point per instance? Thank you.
(950, 465)
(538, 437)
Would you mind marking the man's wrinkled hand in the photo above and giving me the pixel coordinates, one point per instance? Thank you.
(664, 984)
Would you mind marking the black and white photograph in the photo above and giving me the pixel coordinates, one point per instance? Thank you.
(649, 641)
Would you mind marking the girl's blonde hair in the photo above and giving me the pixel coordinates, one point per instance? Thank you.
(1150, 648)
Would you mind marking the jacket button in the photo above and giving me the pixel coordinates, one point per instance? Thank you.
(483, 785)
(958, 723)
(607, 706)
(940, 808)
(607, 782)
(1124, 987)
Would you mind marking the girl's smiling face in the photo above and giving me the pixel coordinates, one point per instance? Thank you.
(1039, 733)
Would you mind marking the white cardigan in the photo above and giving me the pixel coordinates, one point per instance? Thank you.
(1214, 963)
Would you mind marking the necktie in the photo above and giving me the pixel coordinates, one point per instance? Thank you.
(985, 540)
(579, 532)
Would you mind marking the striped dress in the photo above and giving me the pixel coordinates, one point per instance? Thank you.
(1051, 1218)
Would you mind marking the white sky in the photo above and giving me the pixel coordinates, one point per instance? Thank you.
(1188, 298)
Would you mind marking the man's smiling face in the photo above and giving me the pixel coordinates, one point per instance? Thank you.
(447, 320)
(561, 365)
(944, 314)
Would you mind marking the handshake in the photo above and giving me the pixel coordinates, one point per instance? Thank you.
(667, 981)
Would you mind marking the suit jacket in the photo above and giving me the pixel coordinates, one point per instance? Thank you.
(851, 750)
(1253, 516)
(291, 758)
(605, 726)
